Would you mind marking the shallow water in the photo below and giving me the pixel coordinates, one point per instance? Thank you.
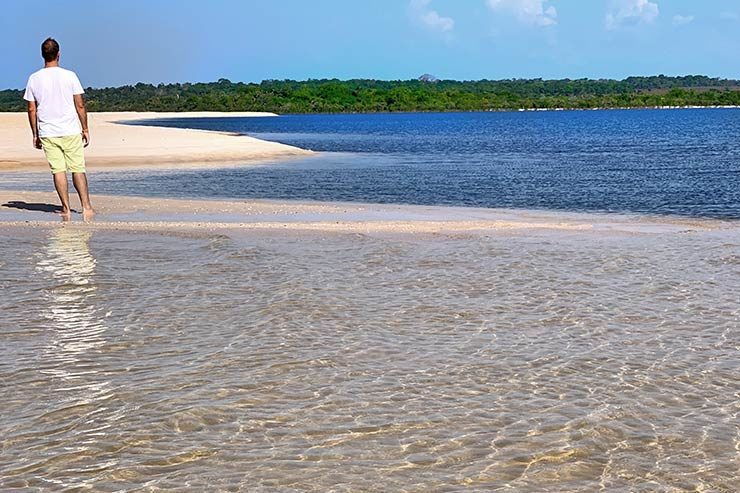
(309, 362)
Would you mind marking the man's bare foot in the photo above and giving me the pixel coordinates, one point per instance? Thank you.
(66, 216)
(88, 214)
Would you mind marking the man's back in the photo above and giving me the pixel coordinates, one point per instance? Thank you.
(53, 89)
(58, 119)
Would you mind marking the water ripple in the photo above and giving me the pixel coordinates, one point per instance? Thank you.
(545, 362)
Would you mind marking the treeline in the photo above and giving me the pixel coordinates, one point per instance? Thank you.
(335, 96)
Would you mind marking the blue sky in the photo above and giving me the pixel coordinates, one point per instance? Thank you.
(114, 43)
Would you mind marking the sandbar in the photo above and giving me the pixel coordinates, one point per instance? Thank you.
(116, 144)
(35, 210)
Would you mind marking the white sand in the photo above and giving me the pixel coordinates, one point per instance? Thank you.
(115, 145)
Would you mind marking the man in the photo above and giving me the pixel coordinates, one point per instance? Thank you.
(58, 118)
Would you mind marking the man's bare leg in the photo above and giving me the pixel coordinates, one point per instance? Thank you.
(62, 187)
(80, 183)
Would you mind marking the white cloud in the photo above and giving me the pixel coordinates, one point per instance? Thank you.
(630, 13)
(682, 20)
(532, 12)
(429, 18)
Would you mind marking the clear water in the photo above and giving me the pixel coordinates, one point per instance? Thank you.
(518, 362)
(684, 162)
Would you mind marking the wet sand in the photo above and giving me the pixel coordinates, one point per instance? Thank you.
(35, 209)
(120, 146)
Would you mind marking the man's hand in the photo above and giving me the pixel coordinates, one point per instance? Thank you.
(82, 115)
(33, 121)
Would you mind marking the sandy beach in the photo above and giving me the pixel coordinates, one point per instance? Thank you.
(118, 145)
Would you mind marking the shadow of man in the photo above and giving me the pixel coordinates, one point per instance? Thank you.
(33, 206)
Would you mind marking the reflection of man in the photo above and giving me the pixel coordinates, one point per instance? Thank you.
(55, 111)
(74, 325)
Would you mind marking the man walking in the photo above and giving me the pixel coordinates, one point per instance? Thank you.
(58, 118)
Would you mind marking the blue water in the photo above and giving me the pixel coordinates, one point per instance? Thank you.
(684, 162)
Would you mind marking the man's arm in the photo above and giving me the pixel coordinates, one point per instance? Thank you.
(82, 114)
(34, 122)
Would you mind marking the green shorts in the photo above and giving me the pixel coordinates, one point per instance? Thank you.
(64, 153)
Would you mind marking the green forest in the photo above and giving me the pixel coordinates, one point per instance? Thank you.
(423, 94)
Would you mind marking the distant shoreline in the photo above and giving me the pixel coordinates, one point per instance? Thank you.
(238, 114)
(424, 95)
(522, 110)
(668, 107)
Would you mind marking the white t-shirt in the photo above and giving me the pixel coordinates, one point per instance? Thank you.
(53, 89)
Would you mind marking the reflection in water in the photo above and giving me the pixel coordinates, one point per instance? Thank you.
(71, 310)
(75, 331)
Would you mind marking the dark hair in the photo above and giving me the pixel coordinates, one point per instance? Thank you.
(49, 49)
